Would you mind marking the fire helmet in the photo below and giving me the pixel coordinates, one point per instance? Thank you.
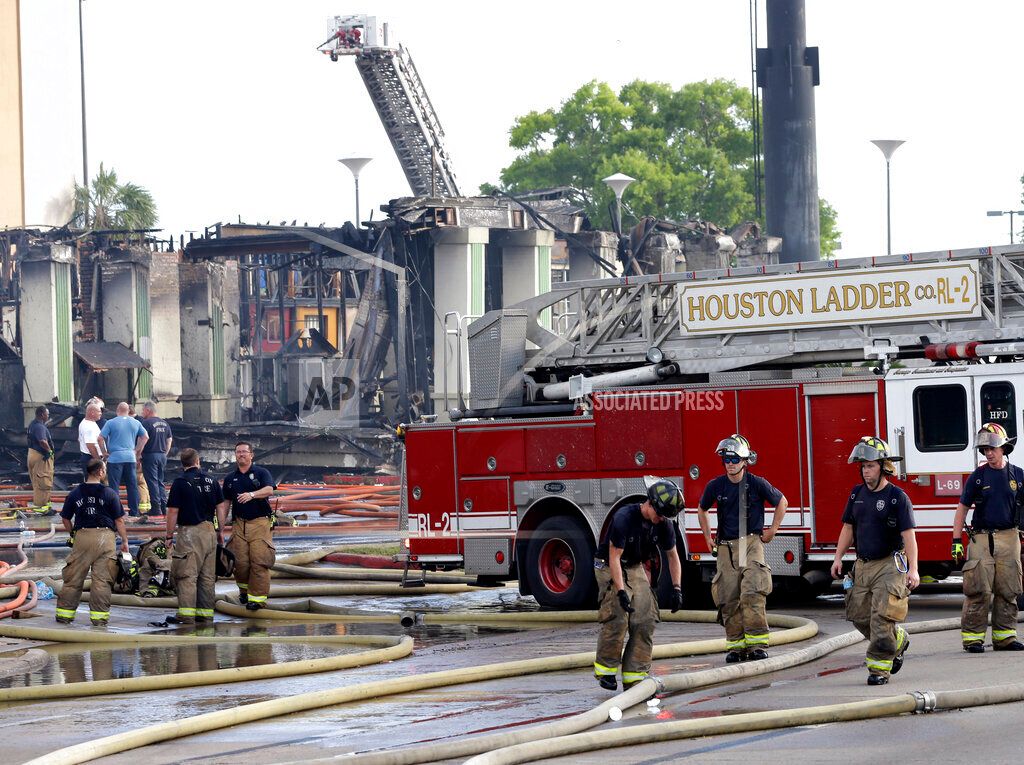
(665, 498)
(874, 449)
(994, 435)
(736, 446)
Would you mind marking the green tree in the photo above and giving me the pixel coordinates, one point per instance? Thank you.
(691, 151)
(108, 204)
(828, 225)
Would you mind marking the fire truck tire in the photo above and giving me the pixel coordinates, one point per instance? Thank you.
(560, 564)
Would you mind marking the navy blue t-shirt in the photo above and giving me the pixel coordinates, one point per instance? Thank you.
(994, 496)
(878, 518)
(159, 433)
(726, 495)
(196, 496)
(238, 483)
(37, 432)
(93, 506)
(637, 537)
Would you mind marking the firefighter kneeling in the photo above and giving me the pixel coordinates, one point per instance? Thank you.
(91, 513)
(879, 520)
(636, 534)
(154, 569)
(191, 506)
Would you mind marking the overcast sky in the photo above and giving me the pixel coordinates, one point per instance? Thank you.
(225, 109)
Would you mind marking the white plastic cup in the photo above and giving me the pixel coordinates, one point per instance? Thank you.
(614, 714)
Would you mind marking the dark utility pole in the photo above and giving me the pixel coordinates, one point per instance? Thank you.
(787, 71)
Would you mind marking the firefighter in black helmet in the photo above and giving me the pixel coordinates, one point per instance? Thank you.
(637, 533)
(992, 573)
(879, 522)
(742, 577)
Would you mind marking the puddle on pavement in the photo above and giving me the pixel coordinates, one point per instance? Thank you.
(75, 662)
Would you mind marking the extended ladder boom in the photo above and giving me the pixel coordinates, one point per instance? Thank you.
(794, 313)
(401, 102)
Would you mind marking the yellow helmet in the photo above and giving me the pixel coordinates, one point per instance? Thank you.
(994, 435)
(874, 449)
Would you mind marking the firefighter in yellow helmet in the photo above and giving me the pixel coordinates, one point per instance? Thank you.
(879, 522)
(742, 579)
(635, 535)
(992, 573)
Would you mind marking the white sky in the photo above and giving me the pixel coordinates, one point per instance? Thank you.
(224, 108)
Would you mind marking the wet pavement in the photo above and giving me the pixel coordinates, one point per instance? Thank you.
(935, 662)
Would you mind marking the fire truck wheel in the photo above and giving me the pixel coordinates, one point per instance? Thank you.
(560, 564)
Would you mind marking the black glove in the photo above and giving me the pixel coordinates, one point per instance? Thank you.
(624, 602)
(677, 599)
(957, 551)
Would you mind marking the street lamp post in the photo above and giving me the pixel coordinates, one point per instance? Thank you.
(1011, 213)
(888, 148)
(85, 150)
(618, 184)
(356, 164)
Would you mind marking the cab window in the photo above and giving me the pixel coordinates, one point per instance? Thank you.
(940, 418)
(998, 405)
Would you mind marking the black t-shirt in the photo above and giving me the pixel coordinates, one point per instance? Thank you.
(726, 495)
(159, 433)
(637, 537)
(196, 496)
(878, 518)
(93, 506)
(994, 496)
(237, 483)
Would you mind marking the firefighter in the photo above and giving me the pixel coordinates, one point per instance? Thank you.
(992, 573)
(91, 513)
(636, 534)
(742, 577)
(193, 503)
(246, 491)
(879, 522)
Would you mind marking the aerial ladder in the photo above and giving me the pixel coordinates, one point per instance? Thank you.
(947, 306)
(400, 99)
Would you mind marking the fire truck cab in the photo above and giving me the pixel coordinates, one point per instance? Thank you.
(522, 485)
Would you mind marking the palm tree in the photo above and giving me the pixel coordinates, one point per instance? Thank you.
(108, 204)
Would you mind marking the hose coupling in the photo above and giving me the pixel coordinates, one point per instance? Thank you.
(925, 701)
(659, 682)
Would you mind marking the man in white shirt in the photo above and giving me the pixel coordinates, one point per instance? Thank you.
(89, 436)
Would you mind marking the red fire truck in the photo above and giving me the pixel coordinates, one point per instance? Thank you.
(644, 375)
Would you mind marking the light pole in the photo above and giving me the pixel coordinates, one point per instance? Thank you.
(618, 184)
(355, 164)
(888, 148)
(1000, 213)
(85, 150)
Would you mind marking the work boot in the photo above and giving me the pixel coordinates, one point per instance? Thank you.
(877, 680)
(974, 648)
(756, 654)
(734, 657)
(243, 598)
(175, 619)
(143, 520)
(608, 682)
(897, 663)
(204, 620)
(99, 622)
(1016, 645)
(254, 606)
(65, 619)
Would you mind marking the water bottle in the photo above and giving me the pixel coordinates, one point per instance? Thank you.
(28, 536)
(21, 525)
(847, 582)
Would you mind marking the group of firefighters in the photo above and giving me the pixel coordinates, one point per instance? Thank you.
(878, 522)
(197, 513)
